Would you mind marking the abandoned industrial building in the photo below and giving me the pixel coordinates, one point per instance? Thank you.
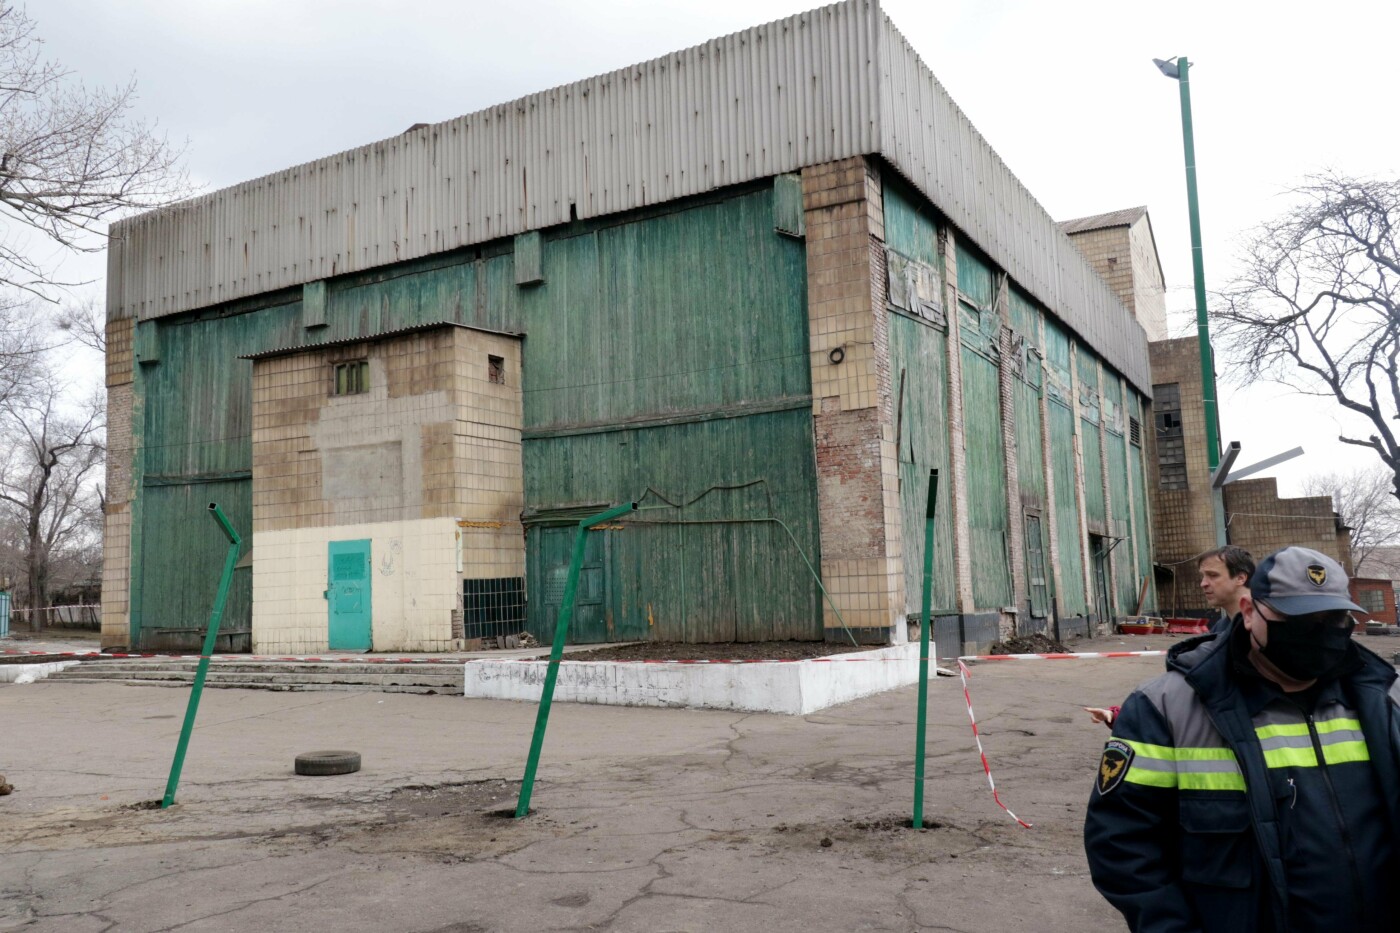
(762, 287)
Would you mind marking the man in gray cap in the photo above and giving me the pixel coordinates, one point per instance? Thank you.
(1256, 785)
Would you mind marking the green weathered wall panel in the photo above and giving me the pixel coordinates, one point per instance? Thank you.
(183, 561)
(986, 482)
(911, 227)
(1066, 518)
(918, 360)
(1142, 531)
(1093, 475)
(1030, 455)
(1126, 579)
(684, 311)
(974, 277)
(198, 401)
(707, 568)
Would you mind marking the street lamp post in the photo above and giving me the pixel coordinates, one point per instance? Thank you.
(1179, 69)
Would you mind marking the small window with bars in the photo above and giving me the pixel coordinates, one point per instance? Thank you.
(1373, 601)
(1171, 443)
(350, 378)
(493, 607)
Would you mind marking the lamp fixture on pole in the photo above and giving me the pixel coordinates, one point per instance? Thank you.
(1178, 68)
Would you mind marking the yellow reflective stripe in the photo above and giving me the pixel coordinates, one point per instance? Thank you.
(1335, 725)
(1204, 754)
(1290, 757)
(1343, 752)
(1301, 728)
(1149, 776)
(1336, 754)
(1165, 752)
(1186, 768)
(1218, 780)
(1288, 728)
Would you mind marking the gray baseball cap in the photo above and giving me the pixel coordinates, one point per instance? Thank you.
(1298, 581)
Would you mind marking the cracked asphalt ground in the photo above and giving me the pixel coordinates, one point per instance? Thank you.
(645, 819)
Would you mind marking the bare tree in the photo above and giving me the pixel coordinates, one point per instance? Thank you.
(1366, 502)
(85, 323)
(71, 157)
(1316, 307)
(49, 461)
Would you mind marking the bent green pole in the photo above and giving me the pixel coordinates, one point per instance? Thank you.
(925, 625)
(209, 637)
(561, 631)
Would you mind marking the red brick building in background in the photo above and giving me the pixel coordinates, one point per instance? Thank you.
(1376, 596)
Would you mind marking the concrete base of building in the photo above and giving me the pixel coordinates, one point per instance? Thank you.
(793, 687)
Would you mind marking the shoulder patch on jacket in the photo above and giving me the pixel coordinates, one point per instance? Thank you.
(1113, 766)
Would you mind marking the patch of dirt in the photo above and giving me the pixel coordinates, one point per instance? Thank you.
(890, 838)
(726, 651)
(1028, 644)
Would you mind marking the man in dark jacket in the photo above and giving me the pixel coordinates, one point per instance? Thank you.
(1225, 574)
(1256, 785)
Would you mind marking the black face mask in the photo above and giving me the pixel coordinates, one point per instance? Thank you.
(1306, 650)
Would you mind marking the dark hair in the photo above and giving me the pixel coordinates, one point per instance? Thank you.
(1236, 560)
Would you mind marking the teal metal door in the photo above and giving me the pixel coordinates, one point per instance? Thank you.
(349, 595)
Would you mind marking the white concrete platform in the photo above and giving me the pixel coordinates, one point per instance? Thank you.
(793, 687)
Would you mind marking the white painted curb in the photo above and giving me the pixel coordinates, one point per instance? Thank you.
(793, 687)
(28, 673)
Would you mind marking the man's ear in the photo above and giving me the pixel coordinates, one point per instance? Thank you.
(1246, 604)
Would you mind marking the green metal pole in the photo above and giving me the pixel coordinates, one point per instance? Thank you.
(209, 637)
(925, 626)
(1198, 268)
(561, 630)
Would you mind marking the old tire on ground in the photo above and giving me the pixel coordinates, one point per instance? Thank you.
(326, 763)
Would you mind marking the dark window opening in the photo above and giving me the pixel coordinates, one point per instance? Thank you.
(1171, 443)
(496, 370)
(493, 607)
(351, 378)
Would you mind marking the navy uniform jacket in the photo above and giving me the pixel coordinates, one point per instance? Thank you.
(1222, 804)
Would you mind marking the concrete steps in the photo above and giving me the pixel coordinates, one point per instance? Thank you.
(443, 679)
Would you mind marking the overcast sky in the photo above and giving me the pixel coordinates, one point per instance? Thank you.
(1064, 91)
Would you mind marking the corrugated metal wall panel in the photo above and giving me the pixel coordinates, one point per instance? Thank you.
(798, 91)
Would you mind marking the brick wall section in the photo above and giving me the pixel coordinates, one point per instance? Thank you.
(857, 468)
(1184, 520)
(1149, 285)
(1261, 522)
(1125, 258)
(116, 520)
(457, 433)
(1386, 591)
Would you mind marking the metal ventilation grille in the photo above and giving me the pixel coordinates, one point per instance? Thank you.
(1135, 431)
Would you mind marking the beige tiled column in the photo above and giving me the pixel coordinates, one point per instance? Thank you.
(857, 468)
(116, 518)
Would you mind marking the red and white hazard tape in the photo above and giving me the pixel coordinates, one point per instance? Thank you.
(361, 659)
(357, 659)
(964, 673)
(1069, 656)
